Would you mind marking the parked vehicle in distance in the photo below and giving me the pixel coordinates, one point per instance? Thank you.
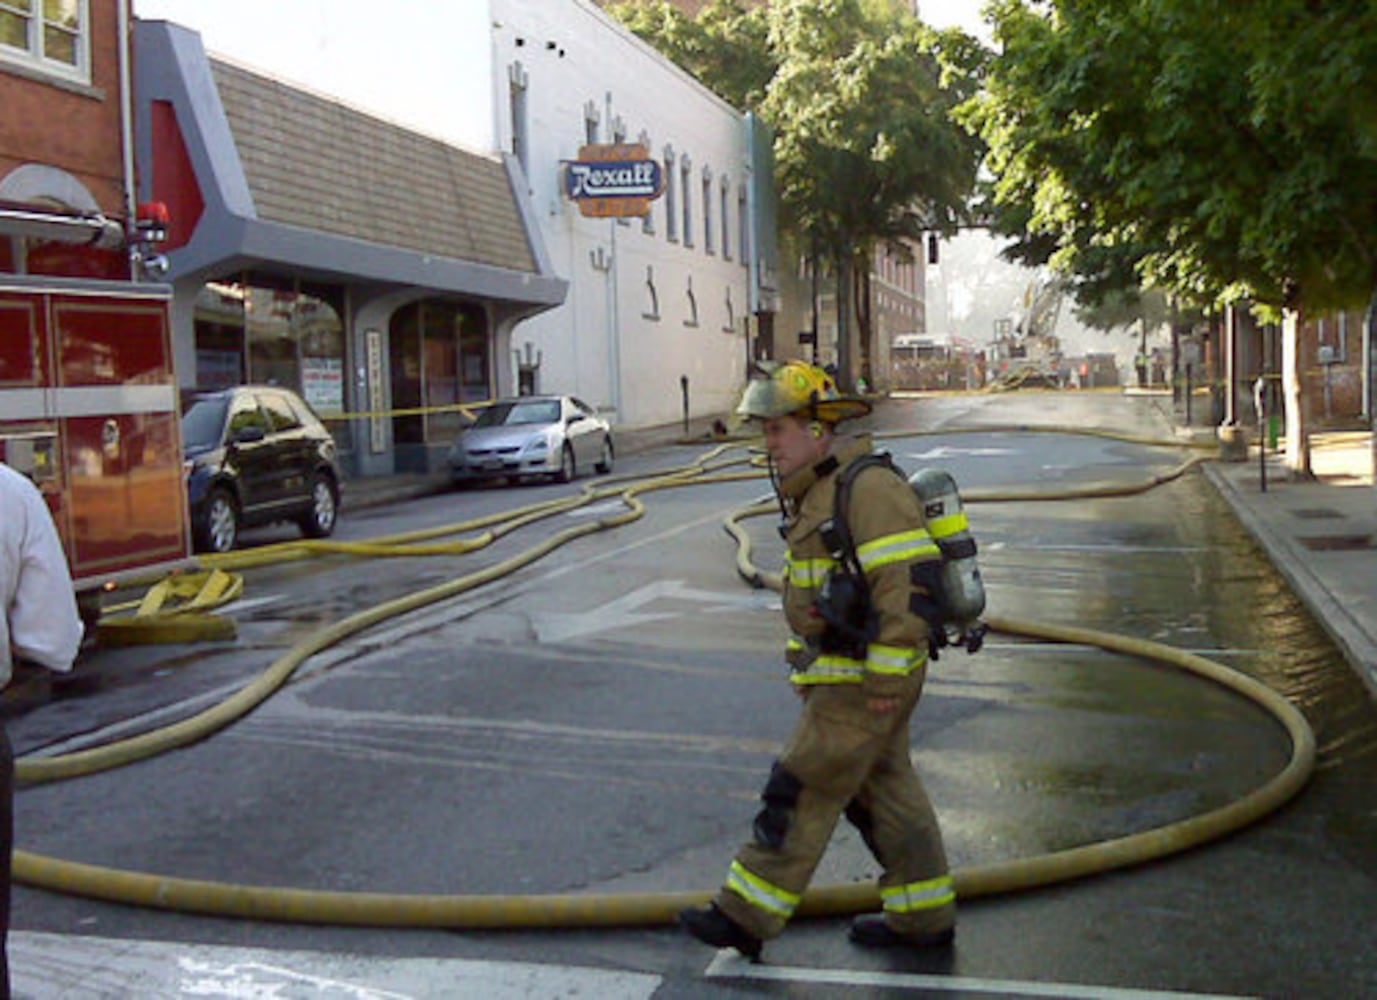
(256, 454)
(555, 436)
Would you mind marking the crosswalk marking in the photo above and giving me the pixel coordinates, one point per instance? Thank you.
(730, 965)
(44, 966)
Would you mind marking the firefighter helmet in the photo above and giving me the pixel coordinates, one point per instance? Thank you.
(799, 388)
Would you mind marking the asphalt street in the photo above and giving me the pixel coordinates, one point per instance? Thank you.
(599, 723)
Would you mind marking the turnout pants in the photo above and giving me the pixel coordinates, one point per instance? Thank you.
(844, 759)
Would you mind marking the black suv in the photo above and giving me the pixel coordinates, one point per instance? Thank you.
(255, 454)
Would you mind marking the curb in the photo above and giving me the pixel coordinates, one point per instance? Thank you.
(1292, 562)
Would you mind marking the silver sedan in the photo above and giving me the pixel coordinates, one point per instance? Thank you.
(556, 436)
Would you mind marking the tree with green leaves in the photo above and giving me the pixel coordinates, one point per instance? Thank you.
(1221, 152)
(860, 95)
(726, 47)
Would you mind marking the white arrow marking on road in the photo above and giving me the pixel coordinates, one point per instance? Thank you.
(89, 968)
(623, 612)
(595, 509)
(942, 451)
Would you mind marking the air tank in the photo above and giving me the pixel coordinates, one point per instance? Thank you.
(961, 596)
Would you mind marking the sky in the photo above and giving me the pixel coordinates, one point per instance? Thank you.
(963, 14)
(300, 29)
(318, 44)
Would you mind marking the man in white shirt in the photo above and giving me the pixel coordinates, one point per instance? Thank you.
(39, 624)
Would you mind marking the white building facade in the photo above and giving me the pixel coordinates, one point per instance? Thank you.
(656, 305)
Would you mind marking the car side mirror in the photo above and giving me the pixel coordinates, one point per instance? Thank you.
(573, 419)
(248, 435)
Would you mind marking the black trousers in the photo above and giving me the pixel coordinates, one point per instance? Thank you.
(6, 847)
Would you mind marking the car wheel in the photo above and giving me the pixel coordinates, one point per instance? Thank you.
(604, 465)
(320, 522)
(219, 528)
(566, 465)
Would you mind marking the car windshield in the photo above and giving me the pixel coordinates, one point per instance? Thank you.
(203, 421)
(543, 411)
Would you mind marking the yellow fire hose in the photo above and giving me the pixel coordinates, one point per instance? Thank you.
(586, 910)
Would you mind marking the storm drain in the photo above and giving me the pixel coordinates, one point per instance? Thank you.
(1337, 543)
(1316, 513)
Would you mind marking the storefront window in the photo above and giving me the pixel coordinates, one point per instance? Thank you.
(276, 331)
(220, 335)
(272, 347)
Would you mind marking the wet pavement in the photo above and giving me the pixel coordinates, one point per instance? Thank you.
(1026, 748)
(1321, 534)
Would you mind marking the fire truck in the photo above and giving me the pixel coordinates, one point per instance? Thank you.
(89, 410)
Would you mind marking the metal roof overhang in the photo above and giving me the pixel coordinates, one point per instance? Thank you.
(249, 243)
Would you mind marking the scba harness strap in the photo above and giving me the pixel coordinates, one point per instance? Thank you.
(844, 598)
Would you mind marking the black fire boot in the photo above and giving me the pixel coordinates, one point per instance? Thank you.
(711, 926)
(871, 930)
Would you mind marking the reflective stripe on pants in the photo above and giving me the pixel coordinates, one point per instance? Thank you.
(843, 754)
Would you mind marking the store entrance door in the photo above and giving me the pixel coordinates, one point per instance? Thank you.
(441, 357)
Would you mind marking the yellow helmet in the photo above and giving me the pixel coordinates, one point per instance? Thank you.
(799, 388)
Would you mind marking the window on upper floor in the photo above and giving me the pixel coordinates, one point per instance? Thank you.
(671, 196)
(726, 221)
(686, 193)
(743, 220)
(707, 211)
(592, 119)
(647, 220)
(51, 35)
(518, 81)
(651, 309)
(691, 302)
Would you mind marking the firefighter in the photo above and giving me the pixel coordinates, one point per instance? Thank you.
(849, 751)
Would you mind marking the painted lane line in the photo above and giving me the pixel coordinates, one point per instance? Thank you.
(91, 968)
(729, 965)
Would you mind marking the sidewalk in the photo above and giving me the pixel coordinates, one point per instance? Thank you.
(1320, 535)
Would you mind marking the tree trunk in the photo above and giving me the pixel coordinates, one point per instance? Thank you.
(1229, 348)
(845, 380)
(813, 277)
(1293, 398)
(865, 326)
(1175, 354)
(1370, 361)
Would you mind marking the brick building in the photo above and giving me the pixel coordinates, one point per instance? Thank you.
(66, 187)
